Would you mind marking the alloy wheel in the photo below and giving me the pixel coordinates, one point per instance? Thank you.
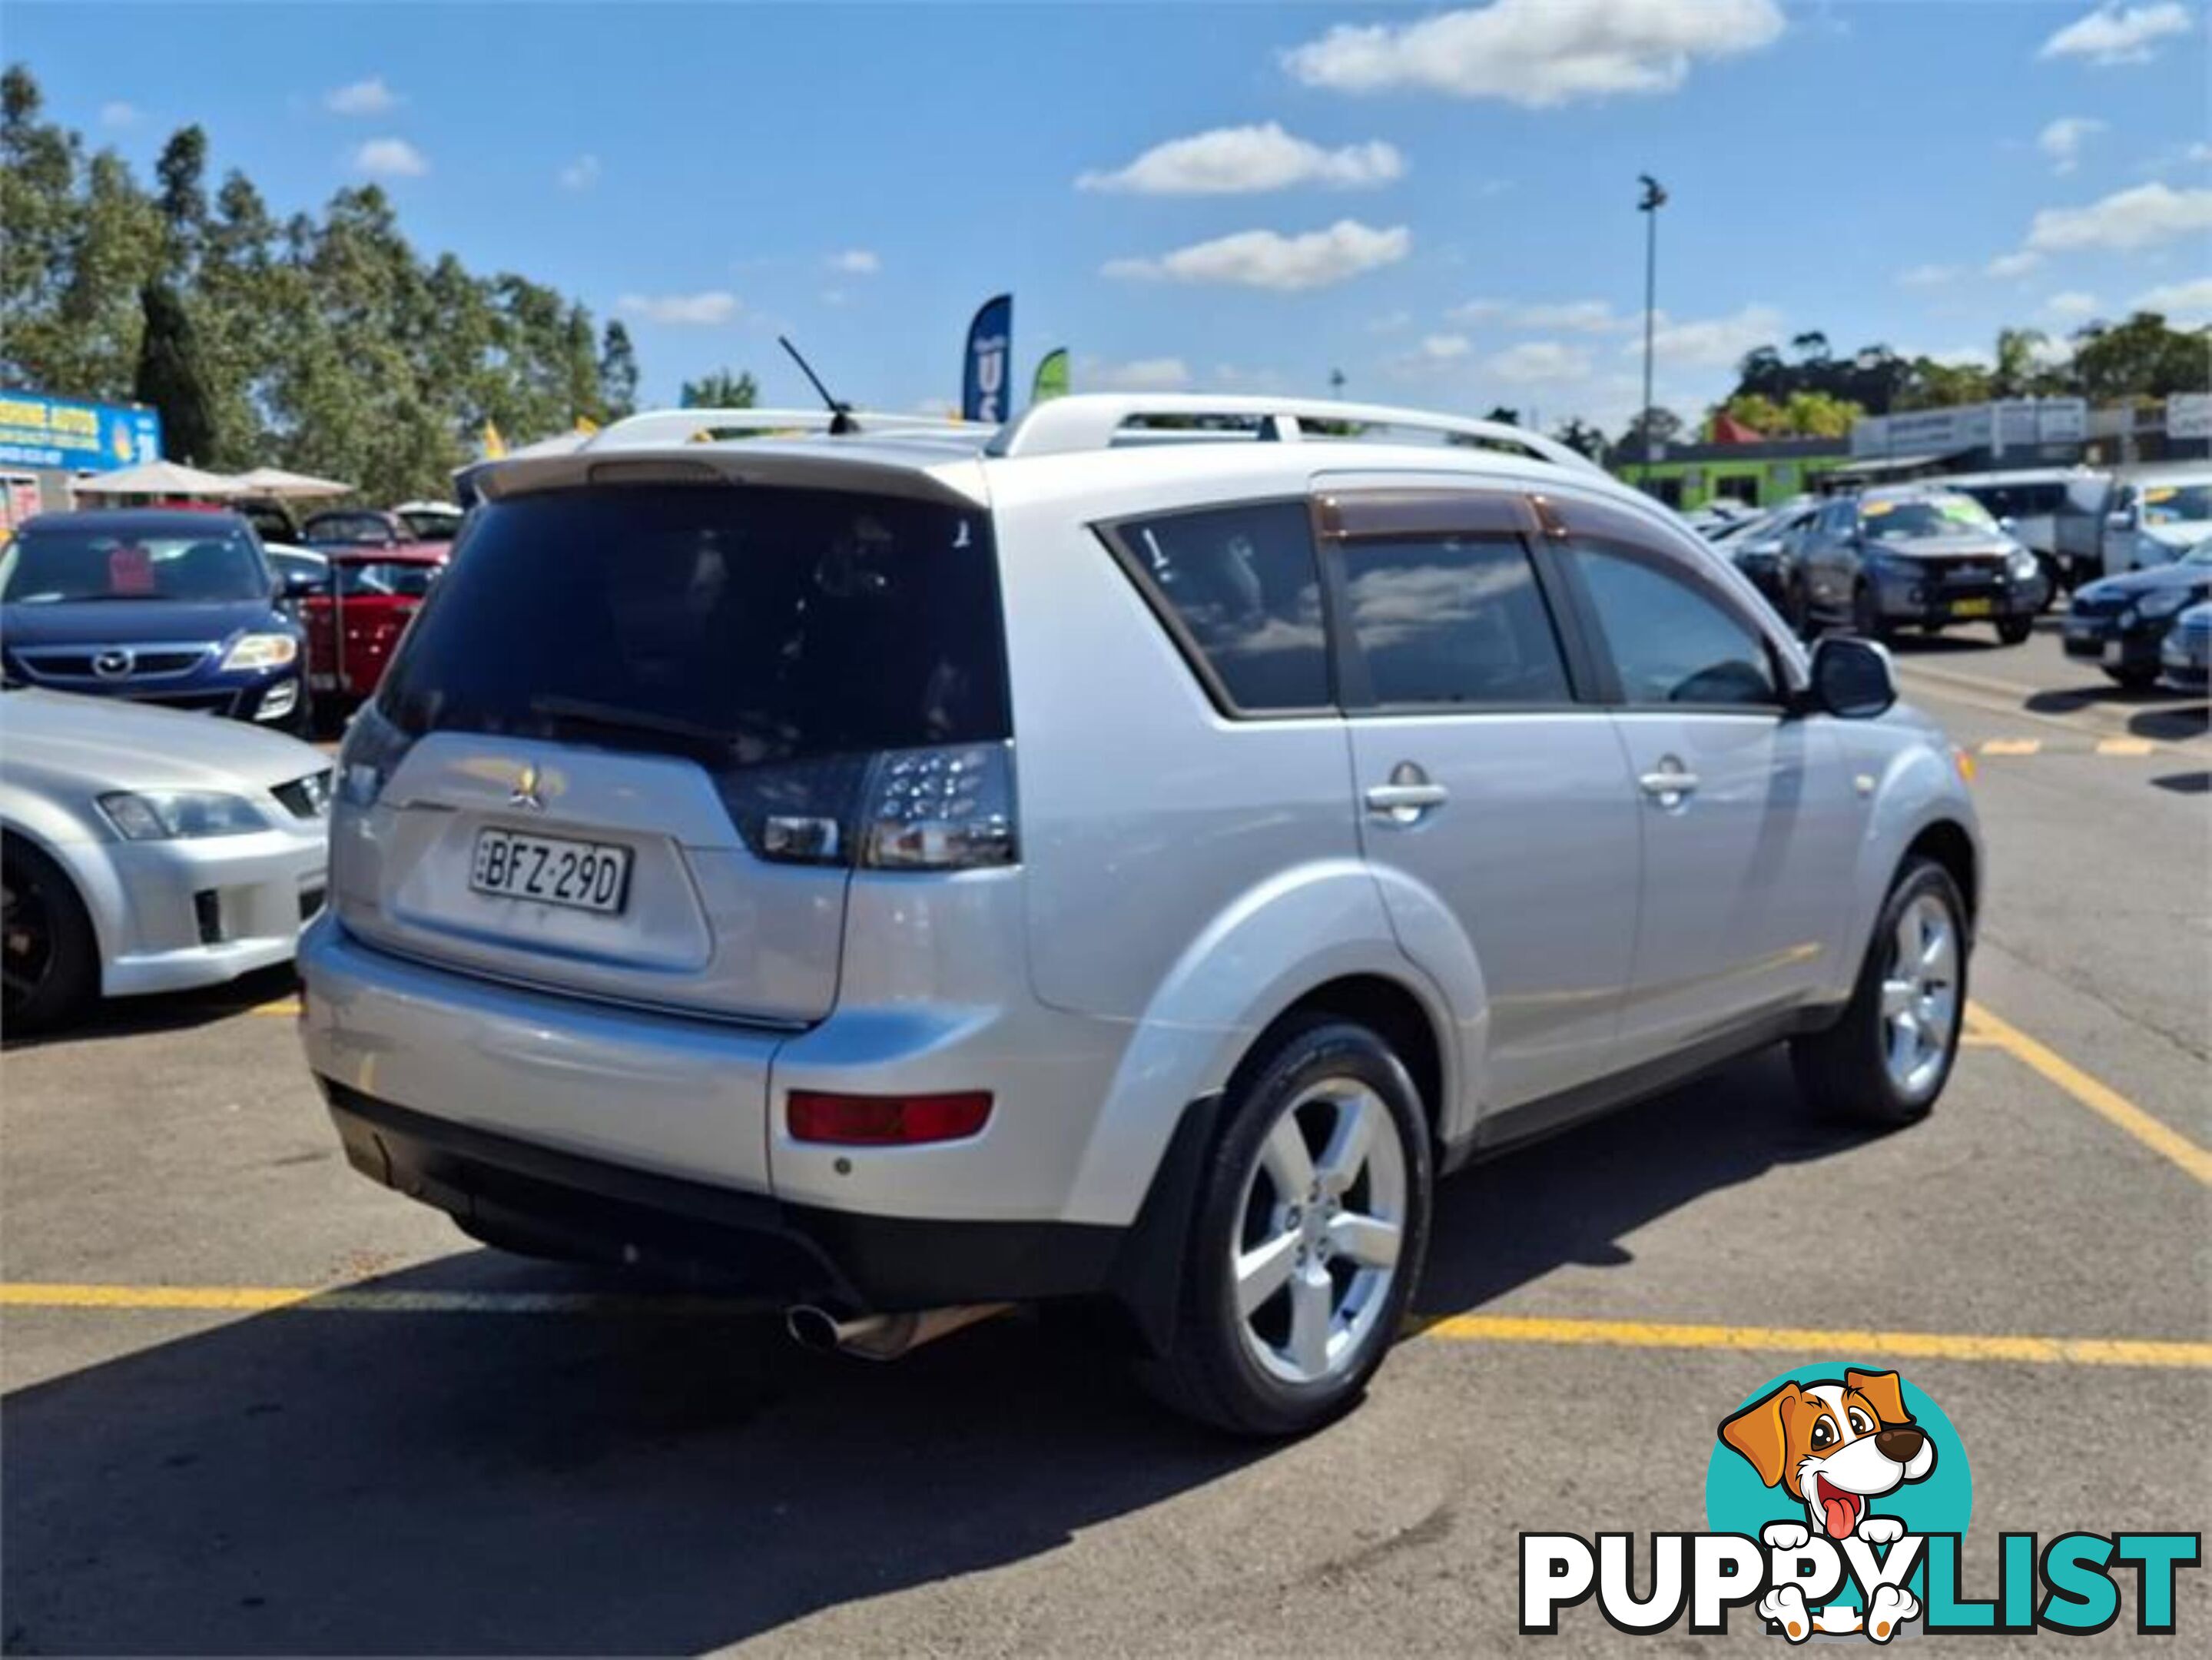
(1920, 997)
(1322, 1222)
(27, 938)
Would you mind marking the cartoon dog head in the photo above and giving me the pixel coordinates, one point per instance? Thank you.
(1834, 1445)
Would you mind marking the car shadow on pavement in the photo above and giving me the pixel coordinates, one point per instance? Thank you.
(1571, 1198)
(126, 1016)
(2160, 713)
(329, 1482)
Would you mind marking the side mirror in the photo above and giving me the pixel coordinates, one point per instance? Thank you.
(2008, 524)
(1852, 680)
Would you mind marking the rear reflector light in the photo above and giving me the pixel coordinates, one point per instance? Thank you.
(886, 1120)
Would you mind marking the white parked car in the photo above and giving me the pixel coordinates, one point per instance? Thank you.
(907, 871)
(144, 849)
(2156, 517)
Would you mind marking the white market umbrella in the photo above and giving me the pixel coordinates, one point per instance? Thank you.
(302, 486)
(161, 478)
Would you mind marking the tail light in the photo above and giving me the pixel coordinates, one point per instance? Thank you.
(370, 753)
(949, 807)
(881, 1120)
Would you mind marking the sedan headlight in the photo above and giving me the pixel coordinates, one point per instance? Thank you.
(170, 815)
(262, 651)
(2162, 602)
(2023, 565)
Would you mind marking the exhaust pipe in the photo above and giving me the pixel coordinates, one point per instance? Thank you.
(881, 1336)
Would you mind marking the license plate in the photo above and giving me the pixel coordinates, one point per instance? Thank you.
(590, 876)
(1972, 607)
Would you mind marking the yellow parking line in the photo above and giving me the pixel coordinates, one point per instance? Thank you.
(2100, 1098)
(1454, 1328)
(283, 1005)
(2123, 746)
(1912, 1345)
(2011, 745)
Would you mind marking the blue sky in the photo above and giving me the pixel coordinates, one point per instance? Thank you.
(1438, 201)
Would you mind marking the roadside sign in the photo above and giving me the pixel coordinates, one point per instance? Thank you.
(62, 435)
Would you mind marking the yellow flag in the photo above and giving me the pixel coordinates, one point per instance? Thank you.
(495, 446)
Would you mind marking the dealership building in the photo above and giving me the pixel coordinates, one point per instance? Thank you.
(2022, 432)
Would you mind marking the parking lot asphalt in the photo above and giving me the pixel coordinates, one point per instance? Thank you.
(254, 1404)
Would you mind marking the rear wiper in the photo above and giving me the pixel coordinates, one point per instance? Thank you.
(615, 718)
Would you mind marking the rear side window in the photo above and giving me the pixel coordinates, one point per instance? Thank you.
(1443, 620)
(756, 625)
(1242, 587)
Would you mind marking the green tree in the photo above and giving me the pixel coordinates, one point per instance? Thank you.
(1578, 434)
(169, 377)
(1511, 417)
(617, 371)
(2142, 357)
(1665, 426)
(721, 389)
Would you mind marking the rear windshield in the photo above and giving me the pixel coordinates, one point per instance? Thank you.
(350, 529)
(61, 564)
(758, 625)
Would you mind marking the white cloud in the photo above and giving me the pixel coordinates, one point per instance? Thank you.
(2126, 220)
(369, 97)
(2190, 301)
(1713, 343)
(2013, 264)
(1576, 316)
(1537, 52)
(1535, 361)
(1240, 161)
(581, 173)
(695, 310)
(120, 115)
(1390, 322)
(2062, 139)
(2073, 303)
(1269, 259)
(2111, 35)
(390, 158)
(1445, 348)
(1928, 277)
(1139, 374)
(855, 262)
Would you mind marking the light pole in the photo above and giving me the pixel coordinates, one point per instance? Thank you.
(1655, 197)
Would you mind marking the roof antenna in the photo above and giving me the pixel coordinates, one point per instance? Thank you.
(841, 415)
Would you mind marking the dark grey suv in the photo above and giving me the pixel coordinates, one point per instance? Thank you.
(1916, 554)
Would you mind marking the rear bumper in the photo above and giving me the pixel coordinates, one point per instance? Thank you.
(522, 1193)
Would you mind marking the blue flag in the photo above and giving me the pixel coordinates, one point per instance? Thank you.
(990, 355)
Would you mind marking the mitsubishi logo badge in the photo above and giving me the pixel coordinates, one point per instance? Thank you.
(525, 791)
(112, 664)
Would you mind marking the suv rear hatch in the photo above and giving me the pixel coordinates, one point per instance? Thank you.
(640, 735)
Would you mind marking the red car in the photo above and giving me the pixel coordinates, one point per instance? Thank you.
(354, 623)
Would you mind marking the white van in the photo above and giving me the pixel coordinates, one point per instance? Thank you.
(2156, 516)
(2059, 513)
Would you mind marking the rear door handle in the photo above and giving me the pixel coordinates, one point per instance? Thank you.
(1390, 798)
(1670, 783)
(1410, 794)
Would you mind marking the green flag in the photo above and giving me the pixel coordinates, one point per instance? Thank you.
(1051, 377)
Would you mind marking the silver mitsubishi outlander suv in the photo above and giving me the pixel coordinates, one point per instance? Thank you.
(898, 870)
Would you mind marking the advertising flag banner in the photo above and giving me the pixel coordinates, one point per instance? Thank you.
(990, 350)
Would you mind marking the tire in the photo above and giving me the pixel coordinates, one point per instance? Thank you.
(51, 955)
(1277, 1372)
(1866, 620)
(2133, 679)
(2011, 630)
(2054, 581)
(1857, 1070)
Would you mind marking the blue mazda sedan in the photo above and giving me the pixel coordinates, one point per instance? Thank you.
(177, 607)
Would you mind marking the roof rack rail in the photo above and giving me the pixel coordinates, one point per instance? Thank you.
(1093, 421)
(654, 427)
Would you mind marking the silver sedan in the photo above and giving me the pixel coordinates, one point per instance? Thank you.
(144, 849)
